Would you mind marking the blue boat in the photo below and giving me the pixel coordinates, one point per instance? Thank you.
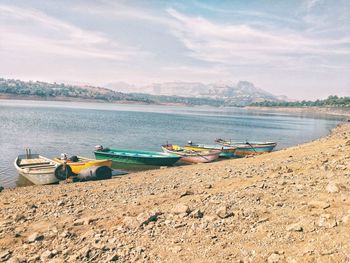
(135, 157)
(248, 148)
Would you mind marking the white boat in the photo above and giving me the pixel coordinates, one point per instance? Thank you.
(36, 168)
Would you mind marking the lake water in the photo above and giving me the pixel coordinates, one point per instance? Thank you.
(52, 128)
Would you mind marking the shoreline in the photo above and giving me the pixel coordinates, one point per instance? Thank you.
(331, 111)
(312, 110)
(291, 205)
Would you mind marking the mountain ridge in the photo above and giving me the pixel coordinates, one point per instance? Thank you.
(189, 93)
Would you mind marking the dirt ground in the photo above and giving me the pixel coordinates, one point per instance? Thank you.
(291, 205)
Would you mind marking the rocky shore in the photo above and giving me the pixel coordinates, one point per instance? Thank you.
(288, 206)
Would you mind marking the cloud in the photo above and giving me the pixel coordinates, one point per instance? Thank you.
(310, 4)
(32, 31)
(243, 45)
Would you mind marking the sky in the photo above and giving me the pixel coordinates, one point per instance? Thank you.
(297, 48)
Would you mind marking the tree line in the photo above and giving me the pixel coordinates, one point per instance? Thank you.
(331, 101)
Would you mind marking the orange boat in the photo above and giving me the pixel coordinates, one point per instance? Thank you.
(78, 163)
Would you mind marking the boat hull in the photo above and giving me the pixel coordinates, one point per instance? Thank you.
(41, 178)
(37, 174)
(131, 157)
(252, 150)
(225, 152)
(195, 157)
(249, 148)
(84, 163)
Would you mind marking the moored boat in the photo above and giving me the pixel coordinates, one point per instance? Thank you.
(135, 157)
(225, 151)
(78, 163)
(36, 168)
(190, 156)
(248, 148)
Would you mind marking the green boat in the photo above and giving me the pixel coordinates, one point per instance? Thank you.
(135, 157)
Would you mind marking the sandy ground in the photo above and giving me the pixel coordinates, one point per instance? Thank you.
(287, 206)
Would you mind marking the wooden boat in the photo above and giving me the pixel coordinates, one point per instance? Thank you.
(225, 151)
(36, 168)
(135, 157)
(78, 163)
(248, 148)
(190, 156)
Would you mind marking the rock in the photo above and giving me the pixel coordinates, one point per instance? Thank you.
(46, 255)
(318, 204)
(181, 209)
(274, 258)
(1, 188)
(294, 227)
(186, 193)
(5, 255)
(222, 212)
(60, 203)
(151, 218)
(209, 186)
(327, 221)
(332, 188)
(35, 237)
(346, 219)
(197, 214)
(19, 217)
(115, 257)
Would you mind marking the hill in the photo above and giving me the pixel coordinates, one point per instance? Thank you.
(231, 94)
(331, 101)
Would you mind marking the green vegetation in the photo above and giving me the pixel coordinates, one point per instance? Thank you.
(179, 100)
(48, 90)
(331, 101)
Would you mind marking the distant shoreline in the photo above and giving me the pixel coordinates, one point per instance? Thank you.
(332, 111)
(313, 110)
(68, 99)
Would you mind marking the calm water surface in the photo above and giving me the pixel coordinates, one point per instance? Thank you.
(51, 128)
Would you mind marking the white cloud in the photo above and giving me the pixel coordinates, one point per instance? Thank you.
(32, 31)
(310, 4)
(243, 45)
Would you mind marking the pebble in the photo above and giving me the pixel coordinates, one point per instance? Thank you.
(181, 209)
(318, 204)
(294, 227)
(5, 255)
(35, 237)
(274, 258)
(46, 255)
(223, 212)
(197, 214)
(332, 188)
(186, 193)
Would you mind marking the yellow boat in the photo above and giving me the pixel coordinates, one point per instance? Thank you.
(78, 163)
(226, 151)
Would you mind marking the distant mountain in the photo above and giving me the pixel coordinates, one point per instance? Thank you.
(236, 94)
(188, 93)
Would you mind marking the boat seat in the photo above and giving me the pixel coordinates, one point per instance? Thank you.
(33, 164)
(42, 166)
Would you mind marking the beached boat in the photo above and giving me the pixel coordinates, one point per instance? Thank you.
(190, 156)
(248, 148)
(78, 163)
(225, 151)
(135, 157)
(36, 168)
